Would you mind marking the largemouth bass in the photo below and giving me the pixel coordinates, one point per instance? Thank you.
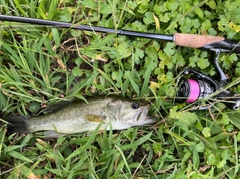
(79, 116)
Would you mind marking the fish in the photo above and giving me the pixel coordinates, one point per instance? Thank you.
(113, 112)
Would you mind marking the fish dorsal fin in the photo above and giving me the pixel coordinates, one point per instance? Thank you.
(54, 107)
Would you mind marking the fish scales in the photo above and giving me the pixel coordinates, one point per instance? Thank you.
(76, 115)
(79, 116)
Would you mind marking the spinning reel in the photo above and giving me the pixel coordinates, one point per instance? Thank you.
(203, 86)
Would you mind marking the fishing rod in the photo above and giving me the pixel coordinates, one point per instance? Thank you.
(194, 84)
(185, 40)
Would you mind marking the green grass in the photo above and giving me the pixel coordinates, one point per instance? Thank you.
(40, 66)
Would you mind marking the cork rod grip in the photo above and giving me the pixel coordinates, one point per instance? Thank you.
(195, 41)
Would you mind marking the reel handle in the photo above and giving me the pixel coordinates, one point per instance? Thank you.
(230, 99)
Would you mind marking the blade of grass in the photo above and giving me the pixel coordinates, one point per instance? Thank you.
(124, 159)
(19, 156)
(236, 155)
(28, 172)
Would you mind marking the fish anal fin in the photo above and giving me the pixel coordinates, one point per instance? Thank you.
(89, 133)
(53, 134)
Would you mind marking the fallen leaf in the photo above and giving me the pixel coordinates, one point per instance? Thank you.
(61, 64)
(157, 23)
(101, 58)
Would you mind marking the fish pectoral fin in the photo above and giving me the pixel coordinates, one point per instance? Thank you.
(53, 134)
(94, 118)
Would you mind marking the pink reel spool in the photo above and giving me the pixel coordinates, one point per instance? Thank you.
(194, 91)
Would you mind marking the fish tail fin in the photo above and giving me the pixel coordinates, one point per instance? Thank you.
(17, 124)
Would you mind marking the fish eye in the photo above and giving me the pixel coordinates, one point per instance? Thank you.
(135, 105)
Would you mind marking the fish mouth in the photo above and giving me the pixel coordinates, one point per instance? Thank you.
(142, 116)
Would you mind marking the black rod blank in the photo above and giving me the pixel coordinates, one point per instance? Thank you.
(86, 27)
